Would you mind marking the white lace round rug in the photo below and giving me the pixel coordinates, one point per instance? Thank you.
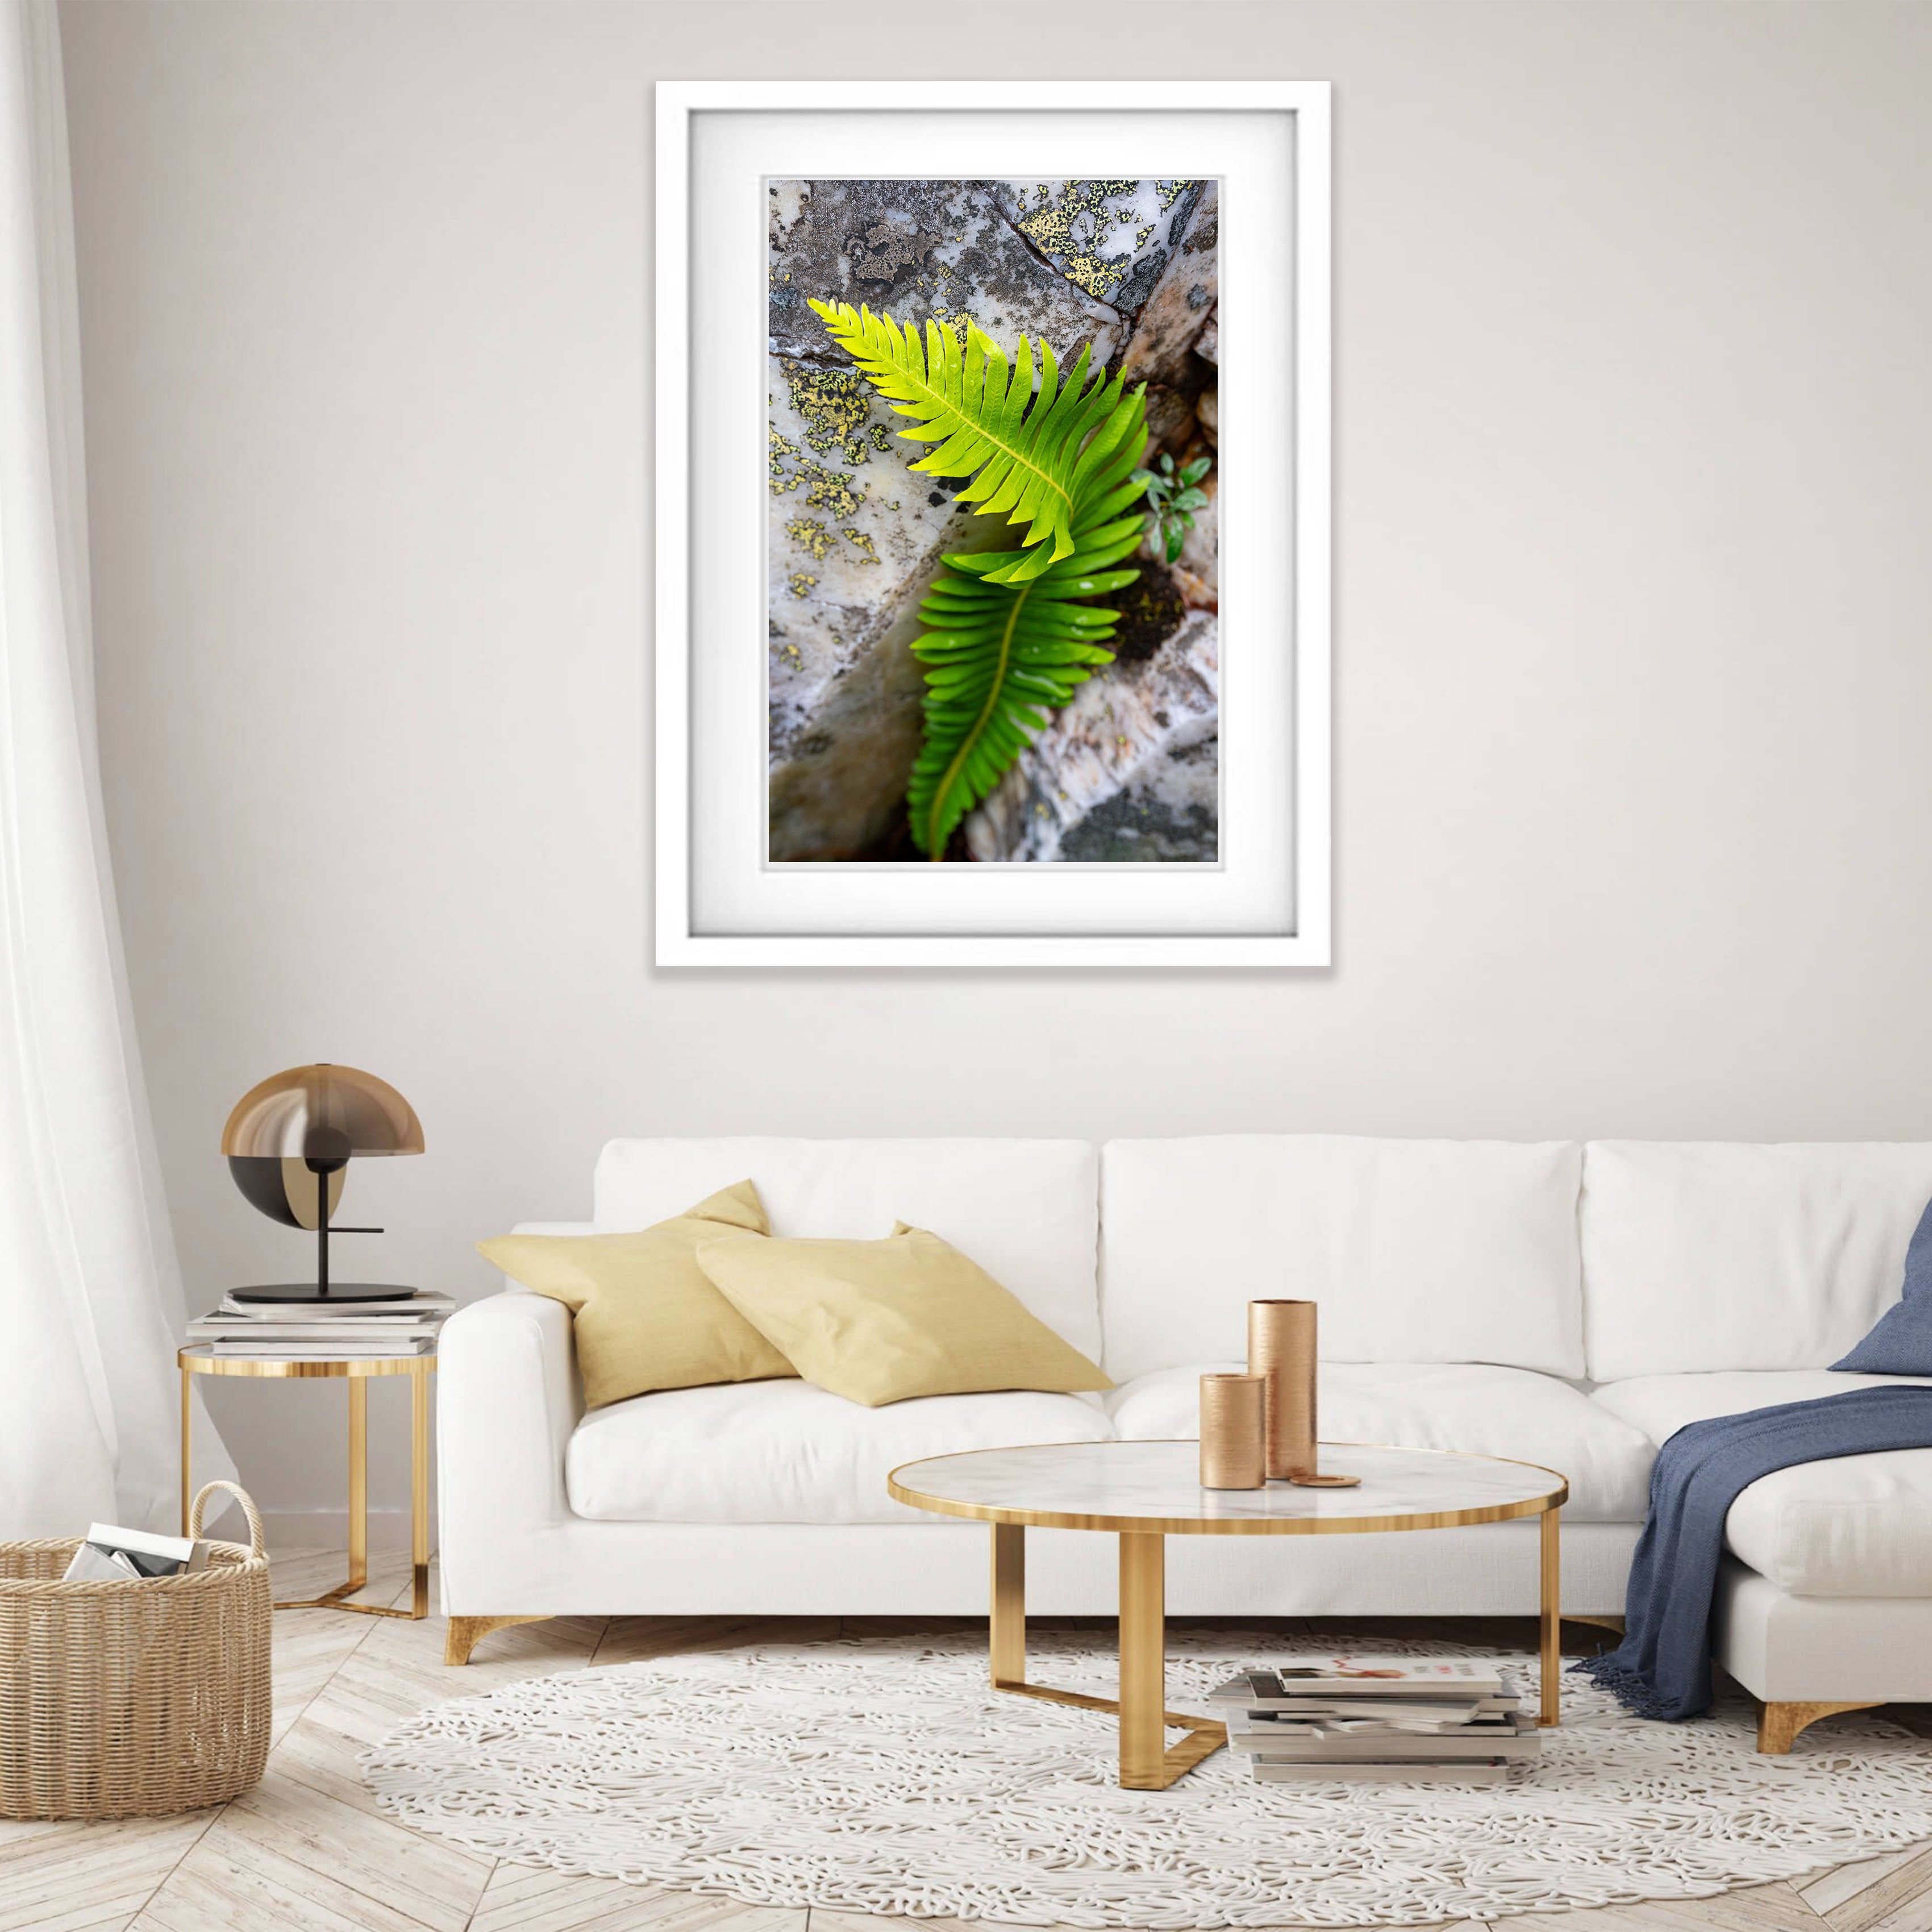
(883, 1775)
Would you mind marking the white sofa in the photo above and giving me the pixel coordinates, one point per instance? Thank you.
(1565, 1303)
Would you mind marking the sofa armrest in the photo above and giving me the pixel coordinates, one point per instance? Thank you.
(507, 1402)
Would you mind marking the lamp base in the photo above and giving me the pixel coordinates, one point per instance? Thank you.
(338, 1293)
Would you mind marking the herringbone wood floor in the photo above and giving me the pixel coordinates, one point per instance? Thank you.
(306, 1851)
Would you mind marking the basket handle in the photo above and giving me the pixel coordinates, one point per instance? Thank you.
(257, 1547)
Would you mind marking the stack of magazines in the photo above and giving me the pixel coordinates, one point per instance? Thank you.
(1378, 1721)
(321, 1331)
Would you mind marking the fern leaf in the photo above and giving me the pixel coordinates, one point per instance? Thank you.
(1001, 658)
(1008, 635)
(1026, 455)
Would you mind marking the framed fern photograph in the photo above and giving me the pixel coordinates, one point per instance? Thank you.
(1014, 650)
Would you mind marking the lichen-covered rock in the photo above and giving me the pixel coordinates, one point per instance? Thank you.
(942, 250)
(1119, 773)
(1170, 324)
(1113, 239)
(1126, 771)
(853, 535)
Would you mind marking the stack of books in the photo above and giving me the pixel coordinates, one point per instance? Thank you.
(1378, 1721)
(111, 1555)
(318, 1331)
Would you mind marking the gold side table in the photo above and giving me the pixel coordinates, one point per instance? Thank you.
(357, 1371)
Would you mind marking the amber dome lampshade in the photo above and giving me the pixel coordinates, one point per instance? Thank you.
(290, 1140)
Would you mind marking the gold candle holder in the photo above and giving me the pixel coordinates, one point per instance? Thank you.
(1233, 1413)
(1281, 1351)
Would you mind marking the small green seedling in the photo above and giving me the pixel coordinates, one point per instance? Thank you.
(1172, 499)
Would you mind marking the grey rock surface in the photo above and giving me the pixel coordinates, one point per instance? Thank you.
(1112, 239)
(916, 251)
(1181, 305)
(841, 784)
(853, 536)
(1125, 769)
(1167, 813)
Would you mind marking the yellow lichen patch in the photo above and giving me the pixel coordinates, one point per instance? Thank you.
(1076, 228)
(825, 489)
(1170, 192)
(834, 403)
(801, 585)
(831, 489)
(961, 321)
(860, 541)
(814, 538)
(781, 450)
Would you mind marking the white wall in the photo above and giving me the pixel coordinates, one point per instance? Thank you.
(1633, 682)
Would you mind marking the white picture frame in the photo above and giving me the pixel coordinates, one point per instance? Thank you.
(717, 903)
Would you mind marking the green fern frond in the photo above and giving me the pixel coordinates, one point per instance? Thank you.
(1008, 635)
(1002, 657)
(1026, 463)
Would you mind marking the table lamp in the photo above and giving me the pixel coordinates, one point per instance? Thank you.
(289, 1141)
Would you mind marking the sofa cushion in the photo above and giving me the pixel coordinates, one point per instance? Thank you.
(1901, 1344)
(644, 1315)
(1485, 1412)
(1417, 1251)
(1853, 1526)
(884, 1321)
(1024, 1210)
(1706, 1256)
(787, 1452)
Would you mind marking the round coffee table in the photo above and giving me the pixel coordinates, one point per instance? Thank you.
(1146, 1491)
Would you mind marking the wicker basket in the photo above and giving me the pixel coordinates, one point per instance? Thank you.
(122, 1700)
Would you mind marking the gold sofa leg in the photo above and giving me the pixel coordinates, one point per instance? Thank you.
(1779, 1724)
(1615, 1624)
(467, 1633)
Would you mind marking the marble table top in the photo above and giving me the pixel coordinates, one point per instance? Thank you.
(1157, 1486)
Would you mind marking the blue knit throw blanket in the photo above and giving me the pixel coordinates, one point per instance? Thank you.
(1663, 1667)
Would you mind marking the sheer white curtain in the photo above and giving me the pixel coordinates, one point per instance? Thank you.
(90, 1305)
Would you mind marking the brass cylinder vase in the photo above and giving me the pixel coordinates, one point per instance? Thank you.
(1281, 1351)
(1233, 1425)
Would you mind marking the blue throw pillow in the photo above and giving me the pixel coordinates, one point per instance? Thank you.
(1901, 1344)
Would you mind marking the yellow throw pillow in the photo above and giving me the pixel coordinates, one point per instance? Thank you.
(646, 1315)
(878, 1321)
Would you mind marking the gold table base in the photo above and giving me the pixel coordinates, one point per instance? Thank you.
(418, 1369)
(1147, 1762)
